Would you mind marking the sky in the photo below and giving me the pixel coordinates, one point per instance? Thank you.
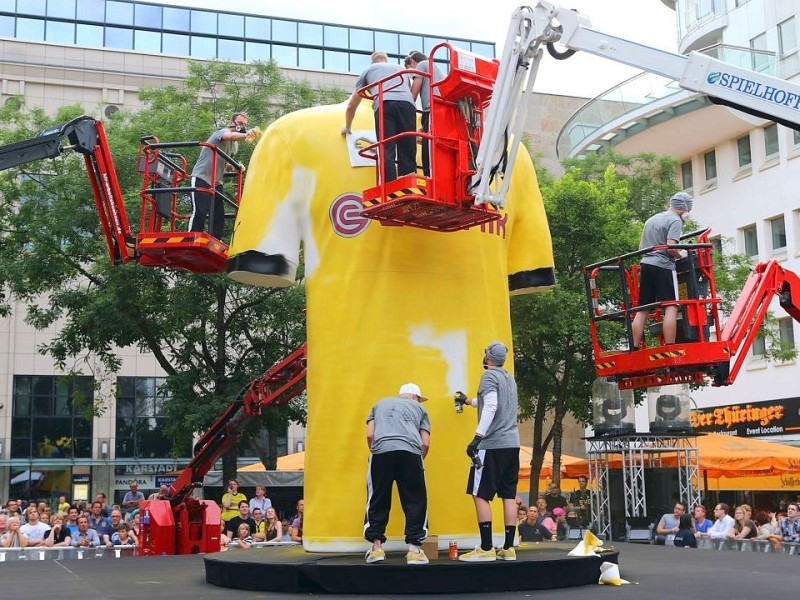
(644, 21)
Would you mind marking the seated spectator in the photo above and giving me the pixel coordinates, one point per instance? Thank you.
(522, 514)
(552, 522)
(86, 536)
(684, 537)
(768, 528)
(723, 524)
(259, 535)
(541, 504)
(554, 499)
(59, 534)
(700, 524)
(98, 522)
(287, 536)
(274, 527)
(743, 527)
(669, 524)
(34, 529)
(243, 538)
(242, 517)
(790, 524)
(13, 537)
(532, 529)
(296, 530)
(230, 501)
(122, 537)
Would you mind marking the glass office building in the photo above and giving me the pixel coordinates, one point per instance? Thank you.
(204, 34)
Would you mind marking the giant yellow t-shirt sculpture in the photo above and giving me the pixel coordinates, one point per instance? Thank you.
(385, 305)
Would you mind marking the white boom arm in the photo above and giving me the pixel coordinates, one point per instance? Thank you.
(755, 93)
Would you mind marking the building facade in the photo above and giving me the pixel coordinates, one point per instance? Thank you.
(741, 171)
(99, 53)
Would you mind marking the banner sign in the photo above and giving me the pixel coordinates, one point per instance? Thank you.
(752, 419)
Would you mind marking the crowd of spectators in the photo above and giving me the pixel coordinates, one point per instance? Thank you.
(552, 516)
(26, 524)
(680, 528)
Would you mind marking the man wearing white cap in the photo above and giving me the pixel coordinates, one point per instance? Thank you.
(398, 435)
(495, 455)
(658, 281)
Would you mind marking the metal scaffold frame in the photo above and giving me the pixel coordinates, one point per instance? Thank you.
(636, 453)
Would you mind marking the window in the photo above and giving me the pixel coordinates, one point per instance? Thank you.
(309, 33)
(120, 13)
(89, 35)
(771, 141)
(409, 43)
(786, 331)
(8, 5)
(7, 26)
(147, 41)
(787, 37)
(147, 15)
(230, 50)
(707, 8)
(30, 29)
(710, 164)
(337, 61)
(204, 21)
(64, 9)
(257, 28)
(759, 345)
(795, 137)
(92, 10)
(232, 25)
(358, 62)
(309, 58)
(285, 56)
(176, 18)
(256, 51)
(778, 230)
(686, 175)
(361, 39)
(60, 33)
(760, 59)
(203, 47)
(388, 42)
(172, 43)
(140, 429)
(743, 148)
(335, 37)
(483, 49)
(47, 417)
(284, 31)
(430, 42)
(750, 239)
(117, 37)
(32, 7)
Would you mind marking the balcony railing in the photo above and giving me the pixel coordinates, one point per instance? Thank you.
(641, 90)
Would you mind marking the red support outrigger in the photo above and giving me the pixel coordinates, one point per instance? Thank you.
(441, 202)
(703, 348)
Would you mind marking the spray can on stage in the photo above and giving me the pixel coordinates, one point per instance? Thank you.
(453, 550)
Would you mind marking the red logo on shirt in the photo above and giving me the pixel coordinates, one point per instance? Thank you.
(345, 214)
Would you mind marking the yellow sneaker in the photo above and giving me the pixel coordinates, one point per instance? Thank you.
(375, 555)
(479, 555)
(416, 558)
(503, 554)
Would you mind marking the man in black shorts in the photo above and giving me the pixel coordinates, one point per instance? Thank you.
(495, 454)
(657, 278)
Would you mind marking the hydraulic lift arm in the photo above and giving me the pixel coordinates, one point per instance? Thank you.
(545, 24)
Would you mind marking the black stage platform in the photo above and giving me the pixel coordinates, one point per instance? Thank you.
(291, 569)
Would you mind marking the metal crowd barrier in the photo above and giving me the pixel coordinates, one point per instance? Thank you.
(754, 545)
(65, 553)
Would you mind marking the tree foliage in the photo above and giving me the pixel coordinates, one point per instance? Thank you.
(210, 335)
(594, 212)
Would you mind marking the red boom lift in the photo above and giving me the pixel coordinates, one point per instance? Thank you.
(182, 524)
(703, 348)
(160, 241)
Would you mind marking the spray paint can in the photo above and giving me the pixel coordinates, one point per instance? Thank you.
(453, 550)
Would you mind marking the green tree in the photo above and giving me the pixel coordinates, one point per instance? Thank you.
(210, 335)
(593, 211)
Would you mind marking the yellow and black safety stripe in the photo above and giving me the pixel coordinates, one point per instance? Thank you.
(414, 191)
(209, 241)
(608, 365)
(667, 354)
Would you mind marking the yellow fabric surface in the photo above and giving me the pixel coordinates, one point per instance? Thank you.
(385, 306)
